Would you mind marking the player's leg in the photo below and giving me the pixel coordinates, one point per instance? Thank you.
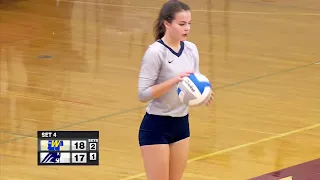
(179, 149)
(154, 147)
(156, 161)
(178, 159)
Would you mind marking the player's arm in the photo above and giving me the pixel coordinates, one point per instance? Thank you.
(149, 72)
(162, 88)
(150, 68)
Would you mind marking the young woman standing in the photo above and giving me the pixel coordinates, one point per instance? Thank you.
(164, 131)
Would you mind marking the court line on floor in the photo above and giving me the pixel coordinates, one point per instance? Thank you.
(140, 107)
(66, 101)
(195, 10)
(69, 125)
(204, 156)
(15, 134)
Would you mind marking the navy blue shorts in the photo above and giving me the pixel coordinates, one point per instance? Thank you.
(155, 129)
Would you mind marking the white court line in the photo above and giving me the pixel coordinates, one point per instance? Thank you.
(197, 10)
(238, 147)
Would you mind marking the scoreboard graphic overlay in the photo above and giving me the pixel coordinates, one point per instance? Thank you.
(68, 147)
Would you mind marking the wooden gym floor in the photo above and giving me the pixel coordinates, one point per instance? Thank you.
(73, 65)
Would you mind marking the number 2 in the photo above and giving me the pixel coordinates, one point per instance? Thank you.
(93, 146)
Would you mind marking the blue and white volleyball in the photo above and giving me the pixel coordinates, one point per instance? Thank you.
(194, 90)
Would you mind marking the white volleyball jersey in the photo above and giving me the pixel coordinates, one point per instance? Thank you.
(159, 64)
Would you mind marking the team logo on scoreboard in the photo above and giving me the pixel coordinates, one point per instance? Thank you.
(55, 145)
(51, 157)
(54, 157)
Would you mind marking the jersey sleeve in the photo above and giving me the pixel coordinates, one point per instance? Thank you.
(149, 72)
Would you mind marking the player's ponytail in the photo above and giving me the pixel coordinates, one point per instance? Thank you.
(159, 28)
(167, 13)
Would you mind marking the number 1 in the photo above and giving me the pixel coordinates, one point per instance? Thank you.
(93, 156)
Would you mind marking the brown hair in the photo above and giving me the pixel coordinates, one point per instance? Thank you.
(167, 13)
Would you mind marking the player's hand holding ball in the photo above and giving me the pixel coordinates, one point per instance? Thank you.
(183, 74)
(194, 89)
(211, 98)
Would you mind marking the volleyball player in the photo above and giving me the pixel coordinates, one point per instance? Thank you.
(164, 131)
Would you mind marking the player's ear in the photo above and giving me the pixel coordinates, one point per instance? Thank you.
(166, 23)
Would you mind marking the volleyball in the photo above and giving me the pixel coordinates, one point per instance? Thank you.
(194, 90)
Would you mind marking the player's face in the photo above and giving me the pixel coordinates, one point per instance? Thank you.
(179, 28)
